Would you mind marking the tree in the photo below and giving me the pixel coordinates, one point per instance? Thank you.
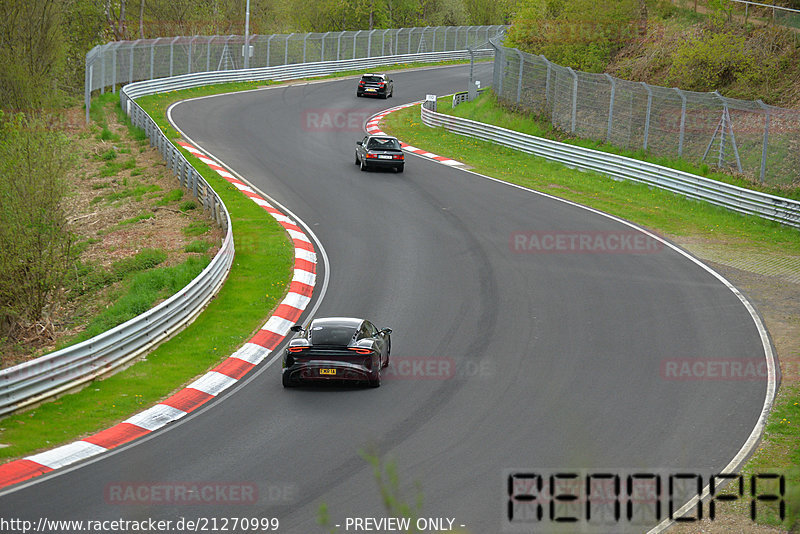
(35, 241)
(32, 52)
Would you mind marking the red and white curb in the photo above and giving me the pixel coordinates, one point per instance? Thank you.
(207, 386)
(373, 129)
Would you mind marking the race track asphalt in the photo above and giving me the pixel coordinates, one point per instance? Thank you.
(501, 359)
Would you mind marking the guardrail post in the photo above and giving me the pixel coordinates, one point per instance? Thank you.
(647, 115)
(574, 98)
(683, 121)
(765, 143)
(613, 83)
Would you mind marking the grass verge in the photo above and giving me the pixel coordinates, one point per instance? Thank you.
(659, 210)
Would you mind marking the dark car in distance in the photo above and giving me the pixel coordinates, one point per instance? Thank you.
(380, 151)
(375, 85)
(336, 349)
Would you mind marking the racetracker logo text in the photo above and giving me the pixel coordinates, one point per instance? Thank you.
(335, 120)
(714, 369)
(171, 493)
(565, 242)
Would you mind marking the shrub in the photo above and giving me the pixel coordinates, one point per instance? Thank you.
(714, 60)
(34, 236)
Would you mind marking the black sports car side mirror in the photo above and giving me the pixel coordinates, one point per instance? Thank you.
(296, 328)
(359, 143)
(386, 331)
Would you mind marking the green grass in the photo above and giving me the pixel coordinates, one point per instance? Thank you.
(141, 293)
(188, 205)
(134, 220)
(199, 245)
(173, 196)
(137, 192)
(258, 279)
(195, 228)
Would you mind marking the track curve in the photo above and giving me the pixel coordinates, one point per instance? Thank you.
(557, 359)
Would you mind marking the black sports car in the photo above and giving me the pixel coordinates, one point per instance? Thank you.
(375, 85)
(337, 349)
(381, 151)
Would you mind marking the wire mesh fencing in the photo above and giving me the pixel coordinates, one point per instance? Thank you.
(749, 137)
(122, 62)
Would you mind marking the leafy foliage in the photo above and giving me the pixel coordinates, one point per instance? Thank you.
(34, 238)
(581, 34)
(715, 60)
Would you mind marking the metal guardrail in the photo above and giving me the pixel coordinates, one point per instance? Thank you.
(46, 377)
(782, 210)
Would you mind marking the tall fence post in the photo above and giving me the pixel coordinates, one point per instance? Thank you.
(546, 81)
(519, 76)
(613, 83)
(114, 70)
(683, 121)
(269, 43)
(153, 58)
(172, 55)
(130, 67)
(305, 43)
(286, 50)
(574, 98)
(647, 114)
(765, 143)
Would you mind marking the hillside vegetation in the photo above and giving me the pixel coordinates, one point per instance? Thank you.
(663, 43)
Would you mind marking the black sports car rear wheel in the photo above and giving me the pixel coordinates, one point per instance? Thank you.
(286, 382)
(376, 382)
